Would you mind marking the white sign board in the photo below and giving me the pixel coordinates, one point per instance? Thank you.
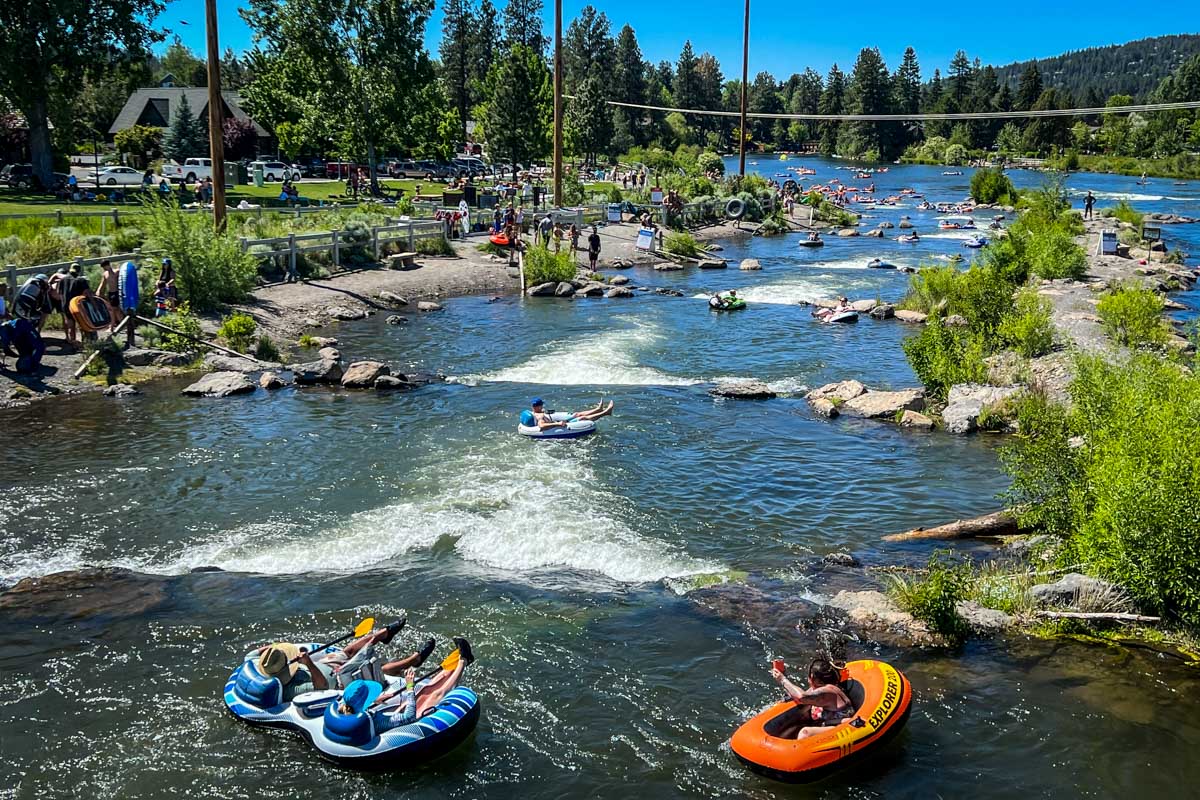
(645, 238)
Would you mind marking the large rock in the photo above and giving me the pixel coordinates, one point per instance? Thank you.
(848, 232)
(982, 620)
(823, 407)
(138, 357)
(564, 289)
(905, 224)
(105, 592)
(668, 266)
(875, 234)
(619, 291)
(880, 405)
(838, 392)
(542, 289)
(322, 341)
(914, 317)
(915, 419)
(223, 363)
(362, 374)
(712, 263)
(750, 264)
(220, 384)
(883, 311)
(1065, 591)
(862, 306)
(885, 225)
(428, 305)
(329, 354)
(743, 390)
(875, 611)
(269, 381)
(591, 290)
(668, 292)
(967, 401)
(321, 371)
(618, 280)
(391, 298)
(346, 314)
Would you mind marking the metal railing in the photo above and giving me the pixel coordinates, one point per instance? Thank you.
(409, 231)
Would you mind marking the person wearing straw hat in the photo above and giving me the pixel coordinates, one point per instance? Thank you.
(279, 660)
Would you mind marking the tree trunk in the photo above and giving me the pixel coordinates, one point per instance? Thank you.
(42, 156)
(999, 523)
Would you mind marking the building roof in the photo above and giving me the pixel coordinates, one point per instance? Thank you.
(155, 106)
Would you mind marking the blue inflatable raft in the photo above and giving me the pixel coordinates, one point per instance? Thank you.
(350, 739)
(574, 429)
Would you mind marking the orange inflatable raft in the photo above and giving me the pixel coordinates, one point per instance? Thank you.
(882, 697)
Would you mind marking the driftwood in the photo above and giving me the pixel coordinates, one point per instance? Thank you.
(999, 523)
(1113, 615)
(83, 367)
(198, 340)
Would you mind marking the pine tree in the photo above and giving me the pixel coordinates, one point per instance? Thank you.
(870, 92)
(709, 85)
(932, 94)
(588, 45)
(763, 98)
(908, 84)
(519, 108)
(1030, 88)
(589, 118)
(684, 88)
(188, 136)
(458, 26)
(961, 78)
(832, 102)
(523, 25)
(629, 86)
(485, 41)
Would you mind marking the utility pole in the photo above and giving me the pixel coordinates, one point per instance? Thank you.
(216, 144)
(558, 112)
(745, 77)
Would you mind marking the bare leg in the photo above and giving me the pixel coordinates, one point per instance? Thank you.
(433, 693)
(596, 413)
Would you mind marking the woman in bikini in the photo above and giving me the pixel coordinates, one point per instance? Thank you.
(827, 702)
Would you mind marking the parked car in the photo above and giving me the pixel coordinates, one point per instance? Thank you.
(423, 170)
(190, 171)
(469, 165)
(18, 176)
(310, 167)
(275, 171)
(116, 176)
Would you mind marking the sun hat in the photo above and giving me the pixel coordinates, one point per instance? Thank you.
(275, 661)
(537, 401)
(360, 694)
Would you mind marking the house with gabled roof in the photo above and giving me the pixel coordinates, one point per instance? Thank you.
(156, 105)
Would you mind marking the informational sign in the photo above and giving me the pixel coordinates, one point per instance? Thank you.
(656, 194)
(645, 238)
(1108, 243)
(1151, 233)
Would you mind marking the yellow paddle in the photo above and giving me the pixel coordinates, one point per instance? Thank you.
(448, 663)
(360, 629)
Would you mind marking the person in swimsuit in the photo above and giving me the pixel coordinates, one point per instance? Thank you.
(110, 291)
(825, 698)
(544, 421)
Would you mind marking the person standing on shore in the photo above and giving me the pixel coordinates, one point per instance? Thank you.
(1088, 202)
(593, 248)
(110, 291)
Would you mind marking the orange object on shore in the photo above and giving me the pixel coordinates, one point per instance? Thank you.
(91, 313)
(882, 698)
(499, 239)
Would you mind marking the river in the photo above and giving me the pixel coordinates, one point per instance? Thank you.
(568, 565)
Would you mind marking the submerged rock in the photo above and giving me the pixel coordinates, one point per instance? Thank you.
(88, 592)
(390, 383)
(841, 560)
(619, 291)
(915, 419)
(269, 381)
(823, 407)
(743, 390)
(428, 305)
(668, 292)
(121, 390)
(346, 314)
(396, 319)
(220, 384)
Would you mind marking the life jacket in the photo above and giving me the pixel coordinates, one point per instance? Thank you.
(33, 299)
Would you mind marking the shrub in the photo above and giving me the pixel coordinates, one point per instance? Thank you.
(544, 266)
(307, 340)
(265, 349)
(1053, 254)
(433, 246)
(991, 186)
(614, 194)
(828, 212)
(1126, 213)
(1132, 316)
(1028, 329)
(45, 248)
(210, 268)
(933, 598)
(682, 244)
(181, 319)
(710, 163)
(238, 331)
(943, 356)
(774, 225)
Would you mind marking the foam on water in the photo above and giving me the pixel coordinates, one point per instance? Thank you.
(515, 506)
(609, 359)
(1131, 196)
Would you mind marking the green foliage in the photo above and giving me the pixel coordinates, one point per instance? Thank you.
(138, 140)
(210, 268)
(433, 246)
(991, 186)
(492, 249)
(1115, 477)
(518, 108)
(1055, 255)
(188, 135)
(307, 340)
(1028, 330)
(181, 319)
(1125, 213)
(1132, 316)
(933, 597)
(682, 244)
(543, 266)
(710, 164)
(943, 356)
(265, 349)
(774, 225)
(238, 331)
(828, 212)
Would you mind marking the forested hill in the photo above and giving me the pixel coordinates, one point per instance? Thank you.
(1133, 68)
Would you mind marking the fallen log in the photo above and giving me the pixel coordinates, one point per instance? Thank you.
(1111, 615)
(999, 523)
(88, 361)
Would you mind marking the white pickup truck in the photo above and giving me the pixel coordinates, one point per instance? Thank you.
(192, 170)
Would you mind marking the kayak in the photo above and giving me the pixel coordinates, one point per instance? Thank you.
(882, 699)
(811, 243)
(878, 263)
(736, 304)
(350, 739)
(575, 428)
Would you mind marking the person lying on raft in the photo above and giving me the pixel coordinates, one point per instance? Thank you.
(543, 420)
(828, 704)
(719, 300)
(842, 307)
(417, 701)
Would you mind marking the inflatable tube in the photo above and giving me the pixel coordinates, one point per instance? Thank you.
(882, 698)
(734, 304)
(908, 239)
(499, 239)
(735, 208)
(811, 243)
(574, 430)
(350, 740)
(975, 242)
(845, 317)
(91, 313)
(879, 263)
(127, 285)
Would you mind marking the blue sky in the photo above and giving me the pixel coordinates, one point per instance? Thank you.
(786, 38)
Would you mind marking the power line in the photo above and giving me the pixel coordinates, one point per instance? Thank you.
(1050, 112)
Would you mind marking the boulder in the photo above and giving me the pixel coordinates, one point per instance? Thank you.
(966, 402)
(956, 321)
(824, 407)
(269, 381)
(591, 290)
(387, 383)
(139, 357)
(838, 392)
(362, 374)
(668, 266)
(876, 612)
(564, 289)
(743, 390)
(618, 280)
(121, 390)
(750, 264)
(396, 319)
(884, 405)
(885, 225)
(668, 292)
(848, 232)
(621, 263)
(619, 291)
(914, 317)
(428, 305)
(883, 311)
(346, 314)
(841, 560)
(915, 419)
(310, 322)
(223, 363)
(314, 372)
(1065, 591)
(542, 289)
(712, 263)
(105, 592)
(875, 234)
(323, 341)
(329, 354)
(862, 306)
(905, 224)
(391, 298)
(220, 384)
(713, 247)
(982, 620)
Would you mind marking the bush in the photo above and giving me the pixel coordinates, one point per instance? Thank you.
(682, 244)
(238, 331)
(774, 225)
(210, 268)
(181, 319)
(1028, 329)
(991, 186)
(934, 597)
(1132, 316)
(943, 356)
(433, 246)
(1053, 254)
(1125, 213)
(265, 349)
(710, 164)
(307, 340)
(544, 266)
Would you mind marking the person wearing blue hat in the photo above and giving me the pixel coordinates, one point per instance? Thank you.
(542, 420)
